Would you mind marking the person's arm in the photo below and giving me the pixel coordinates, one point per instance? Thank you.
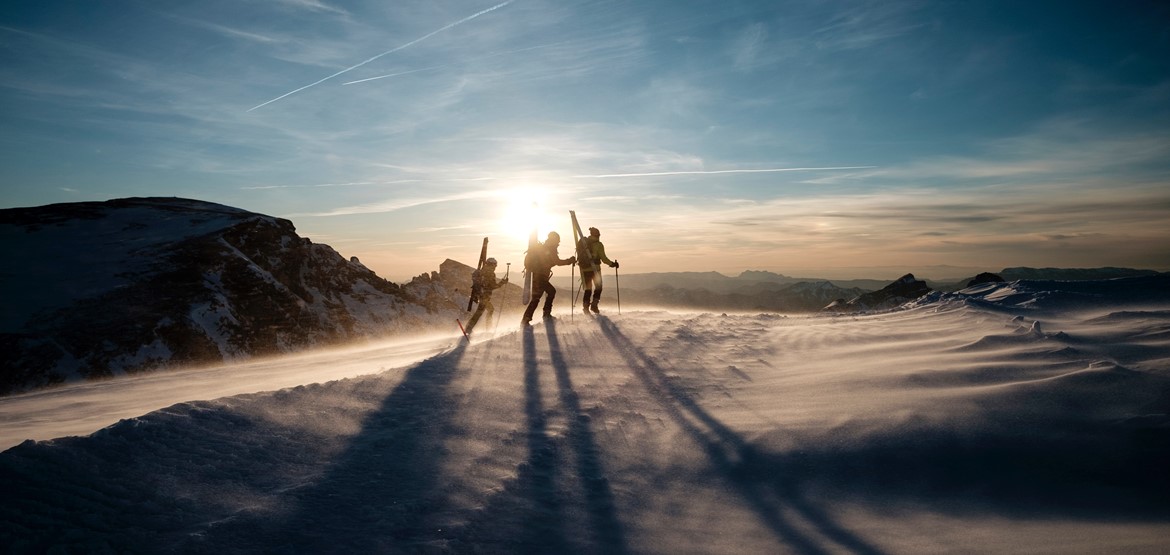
(558, 261)
(599, 253)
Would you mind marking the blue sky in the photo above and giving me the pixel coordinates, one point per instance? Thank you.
(829, 138)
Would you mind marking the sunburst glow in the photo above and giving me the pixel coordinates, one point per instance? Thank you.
(523, 208)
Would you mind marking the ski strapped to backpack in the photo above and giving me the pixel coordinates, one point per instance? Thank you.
(583, 252)
(584, 257)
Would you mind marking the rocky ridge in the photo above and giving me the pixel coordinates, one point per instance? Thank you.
(105, 288)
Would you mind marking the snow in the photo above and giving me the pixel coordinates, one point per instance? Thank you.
(82, 408)
(1017, 417)
(52, 275)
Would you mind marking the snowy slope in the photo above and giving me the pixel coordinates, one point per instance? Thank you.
(1018, 417)
(106, 288)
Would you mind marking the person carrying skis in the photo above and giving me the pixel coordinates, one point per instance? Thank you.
(484, 281)
(590, 269)
(539, 263)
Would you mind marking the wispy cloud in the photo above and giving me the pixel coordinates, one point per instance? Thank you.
(312, 5)
(1075, 151)
(397, 204)
(462, 62)
(718, 172)
(867, 24)
(325, 185)
(227, 31)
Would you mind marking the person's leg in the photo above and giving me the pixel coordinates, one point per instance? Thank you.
(474, 318)
(550, 294)
(596, 293)
(540, 286)
(490, 309)
(528, 312)
(586, 288)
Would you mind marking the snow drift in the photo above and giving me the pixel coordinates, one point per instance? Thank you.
(1009, 417)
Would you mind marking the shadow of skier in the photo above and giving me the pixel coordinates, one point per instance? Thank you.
(590, 471)
(382, 493)
(536, 512)
(741, 465)
(528, 516)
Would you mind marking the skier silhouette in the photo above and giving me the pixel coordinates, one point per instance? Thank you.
(539, 263)
(590, 269)
(484, 280)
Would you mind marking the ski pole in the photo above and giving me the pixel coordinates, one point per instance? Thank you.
(505, 293)
(617, 284)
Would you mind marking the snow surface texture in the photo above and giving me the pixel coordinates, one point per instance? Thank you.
(1017, 417)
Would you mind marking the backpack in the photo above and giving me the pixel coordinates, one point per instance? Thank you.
(476, 285)
(536, 259)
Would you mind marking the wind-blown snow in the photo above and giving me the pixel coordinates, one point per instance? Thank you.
(82, 408)
(1019, 417)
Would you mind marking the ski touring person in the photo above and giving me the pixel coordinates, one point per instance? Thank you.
(590, 269)
(539, 262)
(484, 282)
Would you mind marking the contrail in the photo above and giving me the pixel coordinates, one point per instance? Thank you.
(712, 172)
(391, 51)
(493, 55)
(408, 72)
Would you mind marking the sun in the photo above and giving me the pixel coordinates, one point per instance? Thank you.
(523, 208)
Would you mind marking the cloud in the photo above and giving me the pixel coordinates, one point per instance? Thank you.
(864, 25)
(461, 62)
(718, 172)
(324, 185)
(397, 204)
(747, 47)
(312, 5)
(1075, 150)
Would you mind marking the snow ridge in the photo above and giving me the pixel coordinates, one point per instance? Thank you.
(1009, 417)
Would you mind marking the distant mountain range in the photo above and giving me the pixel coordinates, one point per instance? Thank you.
(98, 289)
(768, 291)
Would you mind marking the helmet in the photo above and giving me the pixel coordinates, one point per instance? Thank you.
(553, 237)
(490, 262)
(594, 232)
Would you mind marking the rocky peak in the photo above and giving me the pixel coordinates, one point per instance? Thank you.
(126, 285)
(904, 289)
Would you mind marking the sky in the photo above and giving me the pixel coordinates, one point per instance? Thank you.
(828, 138)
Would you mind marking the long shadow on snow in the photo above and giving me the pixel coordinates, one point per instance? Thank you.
(527, 516)
(1006, 464)
(533, 514)
(590, 472)
(738, 462)
(382, 494)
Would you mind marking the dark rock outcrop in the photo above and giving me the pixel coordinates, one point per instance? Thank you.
(905, 289)
(985, 277)
(105, 288)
